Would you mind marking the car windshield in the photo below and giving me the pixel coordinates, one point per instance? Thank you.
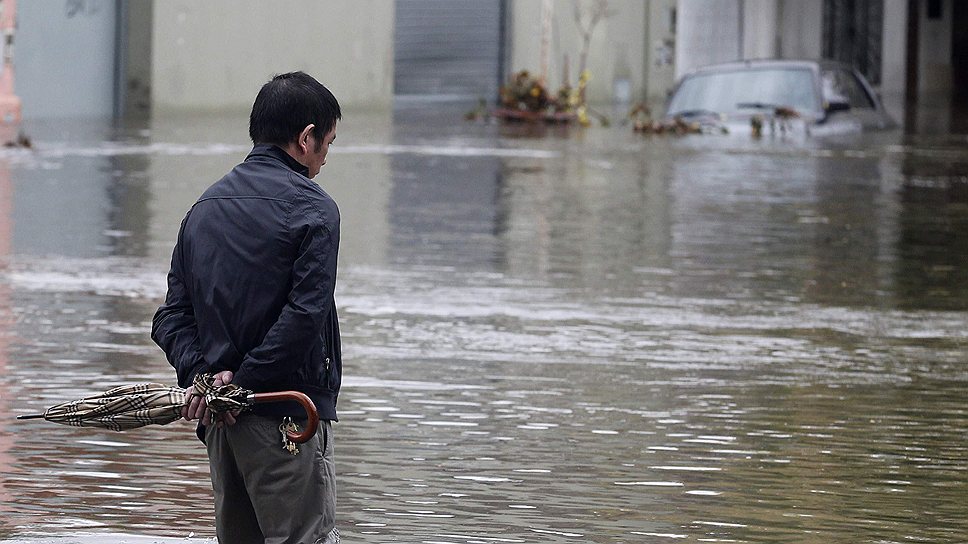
(746, 89)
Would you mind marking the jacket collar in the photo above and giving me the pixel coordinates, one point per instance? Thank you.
(276, 152)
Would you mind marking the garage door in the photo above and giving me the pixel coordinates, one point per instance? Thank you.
(448, 49)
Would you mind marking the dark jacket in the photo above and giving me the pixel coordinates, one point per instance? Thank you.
(251, 285)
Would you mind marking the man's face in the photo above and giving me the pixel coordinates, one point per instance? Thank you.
(316, 157)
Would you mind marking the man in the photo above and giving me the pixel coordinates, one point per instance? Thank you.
(250, 300)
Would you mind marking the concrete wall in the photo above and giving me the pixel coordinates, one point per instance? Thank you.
(64, 58)
(617, 49)
(934, 94)
(801, 28)
(894, 58)
(215, 55)
(709, 32)
(135, 53)
(660, 44)
(934, 51)
(761, 32)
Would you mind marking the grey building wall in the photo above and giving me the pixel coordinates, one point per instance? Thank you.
(709, 32)
(214, 55)
(894, 55)
(617, 50)
(934, 56)
(660, 44)
(178, 55)
(934, 88)
(761, 17)
(726, 30)
(801, 29)
(64, 59)
(134, 85)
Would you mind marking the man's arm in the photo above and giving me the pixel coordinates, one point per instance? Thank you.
(302, 317)
(174, 328)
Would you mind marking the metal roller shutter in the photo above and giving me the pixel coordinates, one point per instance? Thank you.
(448, 49)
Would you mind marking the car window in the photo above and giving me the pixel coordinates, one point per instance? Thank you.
(732, 91)
(841, 85)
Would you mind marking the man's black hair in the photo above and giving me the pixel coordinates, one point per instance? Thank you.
(286, 104)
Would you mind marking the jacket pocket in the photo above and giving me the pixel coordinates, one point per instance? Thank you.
(313, 371)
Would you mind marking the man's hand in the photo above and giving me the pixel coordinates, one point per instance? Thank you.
(195, 407)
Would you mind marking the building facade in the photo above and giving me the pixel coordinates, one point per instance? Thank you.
(122, 58)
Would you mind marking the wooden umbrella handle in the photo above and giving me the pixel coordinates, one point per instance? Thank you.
(301, 398)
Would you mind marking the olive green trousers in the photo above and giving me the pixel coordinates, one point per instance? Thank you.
(266, 495)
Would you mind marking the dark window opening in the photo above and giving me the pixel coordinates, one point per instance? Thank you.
(853, 34)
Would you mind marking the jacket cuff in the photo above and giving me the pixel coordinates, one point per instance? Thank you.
(241, 379)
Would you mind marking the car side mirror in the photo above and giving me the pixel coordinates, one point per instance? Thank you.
(837, 106)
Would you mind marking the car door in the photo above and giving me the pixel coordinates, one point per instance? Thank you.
(849, 101)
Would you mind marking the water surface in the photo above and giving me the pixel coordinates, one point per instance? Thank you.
(550, 335)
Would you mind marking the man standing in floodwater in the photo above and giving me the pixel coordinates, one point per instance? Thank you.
(250, 300)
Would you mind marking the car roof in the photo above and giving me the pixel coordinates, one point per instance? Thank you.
(769, 63)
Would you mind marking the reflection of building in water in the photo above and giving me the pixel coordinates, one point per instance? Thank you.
(854, 234)
(6, 329)
(861, 230)
(786, 225)
(127, 214)
(63, 209)
(576, 216)
(890, 228)
(932, 249)
(442, 210)
(587, 218)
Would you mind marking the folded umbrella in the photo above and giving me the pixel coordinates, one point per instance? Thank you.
(138, 405)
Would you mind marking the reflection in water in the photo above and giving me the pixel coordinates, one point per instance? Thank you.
(6, 324)
(439, 218)
(933, 224)
(586, 336)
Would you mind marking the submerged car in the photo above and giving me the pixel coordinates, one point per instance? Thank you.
(815, 97)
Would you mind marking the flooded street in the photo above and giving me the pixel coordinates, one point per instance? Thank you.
(550, 335)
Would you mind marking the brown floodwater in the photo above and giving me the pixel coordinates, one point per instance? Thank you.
(550, 335)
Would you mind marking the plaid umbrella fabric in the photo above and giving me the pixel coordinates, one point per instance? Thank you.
(122, 408)
(137, 405)
(132, 406)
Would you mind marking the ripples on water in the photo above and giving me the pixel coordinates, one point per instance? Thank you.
(575, 338)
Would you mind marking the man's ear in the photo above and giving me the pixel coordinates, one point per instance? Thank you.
(303, 141)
